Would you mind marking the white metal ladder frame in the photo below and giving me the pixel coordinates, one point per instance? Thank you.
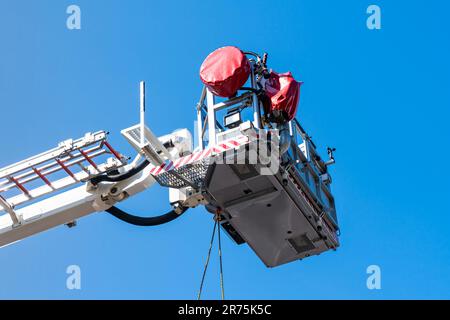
(68, 154)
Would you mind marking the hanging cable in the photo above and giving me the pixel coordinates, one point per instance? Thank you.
(207, 260)
(208, 257)
(222, 289)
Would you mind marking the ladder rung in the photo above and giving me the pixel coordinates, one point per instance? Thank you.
(21, 177)
(20, 186)
(60, 184)
(113, 151)
(66, 169)
(72, 145)
(89, 160)
(49, 169)
(47, 182)
(79, 159)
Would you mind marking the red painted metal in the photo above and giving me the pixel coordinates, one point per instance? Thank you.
(113, 151)
(43, 177)
(88, 159)
(66, 169)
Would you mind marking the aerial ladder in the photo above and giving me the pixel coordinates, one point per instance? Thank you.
(261, 177)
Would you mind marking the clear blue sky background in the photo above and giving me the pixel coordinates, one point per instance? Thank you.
(380, 97)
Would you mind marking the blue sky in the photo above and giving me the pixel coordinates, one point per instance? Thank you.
(380, 97)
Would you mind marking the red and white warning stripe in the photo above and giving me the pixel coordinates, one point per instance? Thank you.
(200, 155)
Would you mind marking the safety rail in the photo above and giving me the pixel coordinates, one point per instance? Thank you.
(312, 170)
(72, 162)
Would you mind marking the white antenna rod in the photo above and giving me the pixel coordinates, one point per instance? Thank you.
(142, 111)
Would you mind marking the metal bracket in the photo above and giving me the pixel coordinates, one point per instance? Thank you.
(8, 208)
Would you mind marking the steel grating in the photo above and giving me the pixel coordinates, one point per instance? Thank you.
(194, 172)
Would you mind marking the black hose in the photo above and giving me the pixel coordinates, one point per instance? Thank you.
(253, 54)
(145, 221)
(121, 177)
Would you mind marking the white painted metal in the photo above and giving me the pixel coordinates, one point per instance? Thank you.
(73, 204)
(211, 119)
(63, 148)
(151, 147)
(180, 141)
(299, 191)
(200, 119)
(8, 208)
(142, 112)
(214, 128)
(68, 206)
(67, 155)
(61, 183)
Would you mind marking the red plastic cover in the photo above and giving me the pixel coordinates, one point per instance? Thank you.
(284, 94)
(225, 71)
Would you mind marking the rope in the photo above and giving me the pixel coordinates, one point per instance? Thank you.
(207, 260)
(208, 257)
(222, 289)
